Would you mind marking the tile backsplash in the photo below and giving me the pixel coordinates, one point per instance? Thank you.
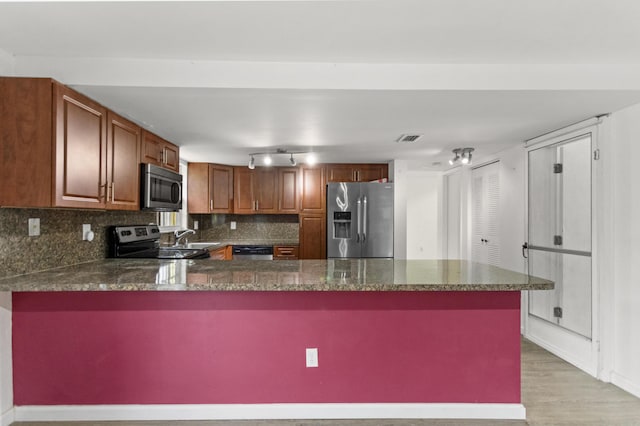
(248, 227)
(60, 241)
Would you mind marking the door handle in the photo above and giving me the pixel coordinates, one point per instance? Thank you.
(359, 219)
(364, 220)
(525, 246)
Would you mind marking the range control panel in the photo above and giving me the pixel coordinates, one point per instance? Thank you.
(130, 234)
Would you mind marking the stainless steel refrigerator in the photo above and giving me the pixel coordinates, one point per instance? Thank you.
(359, 219)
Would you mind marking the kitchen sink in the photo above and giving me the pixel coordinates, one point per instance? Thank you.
(182, 253)
(200, 245)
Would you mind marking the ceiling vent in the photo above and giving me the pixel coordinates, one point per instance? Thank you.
(408, 138)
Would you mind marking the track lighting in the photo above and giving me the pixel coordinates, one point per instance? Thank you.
(268, 159)
(462, 154)
(456, 157)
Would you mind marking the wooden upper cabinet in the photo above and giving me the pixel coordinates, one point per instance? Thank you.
(288, 190)
(341, 173)
(255, 191)
(312, 189)
(123, 173)
(266, 190)
(210, 188)
(221, 188)
(243, 199)
(25, 142)
(80, 150)
(356, 172)
(160, 152)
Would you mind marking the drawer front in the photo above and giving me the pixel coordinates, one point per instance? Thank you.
(285, 252)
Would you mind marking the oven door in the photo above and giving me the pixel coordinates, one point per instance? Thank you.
(161, 189)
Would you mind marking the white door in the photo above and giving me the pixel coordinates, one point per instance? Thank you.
(485, 244)
(559, 234)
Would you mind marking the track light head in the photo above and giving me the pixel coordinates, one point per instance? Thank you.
(462, 154)
(252, 163)
(292, 160)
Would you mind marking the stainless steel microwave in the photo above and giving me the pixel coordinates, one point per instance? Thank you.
(161, 189)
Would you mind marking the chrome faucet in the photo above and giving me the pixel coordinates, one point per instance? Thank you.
(182, 234)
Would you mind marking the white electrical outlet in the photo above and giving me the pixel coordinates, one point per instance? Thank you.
(195, 225)
(312, 357)
(233, 225)
(34, 227)
(87, 233)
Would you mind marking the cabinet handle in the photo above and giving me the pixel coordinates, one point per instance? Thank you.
(113, 192)
(210, 204)
(160, 156)
(106, 192)
(358, 175)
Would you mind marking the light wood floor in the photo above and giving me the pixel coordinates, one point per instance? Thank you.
(553, 392)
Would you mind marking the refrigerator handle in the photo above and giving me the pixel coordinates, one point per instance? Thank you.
(358, 219)
(364, 220)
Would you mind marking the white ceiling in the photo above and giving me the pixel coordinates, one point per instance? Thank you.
(342, 78)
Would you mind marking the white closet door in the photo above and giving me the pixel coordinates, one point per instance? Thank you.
(485, 214)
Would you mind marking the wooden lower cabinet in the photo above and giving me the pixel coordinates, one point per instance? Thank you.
(289, 252)
(313, 237)
(221, 253)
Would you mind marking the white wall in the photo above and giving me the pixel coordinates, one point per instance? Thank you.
(398, 171)
(6, 376)
(424, 204)
(624, 147)
(512, 208)
(7, 63)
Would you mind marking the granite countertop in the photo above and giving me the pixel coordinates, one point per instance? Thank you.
(286, 275)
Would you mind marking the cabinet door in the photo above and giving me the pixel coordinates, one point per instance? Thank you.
(243, 200)
(288, 190)
(341, 173)
(265, 190)
(313, 189)
(25, 121)
(159, 152)
(198, 198)
(80, 150)
(171, 157)
(312, 237)
(123, 172)
(151, 149)
(220, 188)
(370, 172)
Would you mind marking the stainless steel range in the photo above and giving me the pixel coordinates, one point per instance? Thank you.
(143, 242)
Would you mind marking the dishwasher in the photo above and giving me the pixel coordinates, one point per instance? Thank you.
(252, 252)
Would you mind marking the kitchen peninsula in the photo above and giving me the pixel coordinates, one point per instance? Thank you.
(196, 339)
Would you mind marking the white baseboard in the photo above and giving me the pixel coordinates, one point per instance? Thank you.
(267, 411)
(625, 384)
(7, 417)
(571, 347)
